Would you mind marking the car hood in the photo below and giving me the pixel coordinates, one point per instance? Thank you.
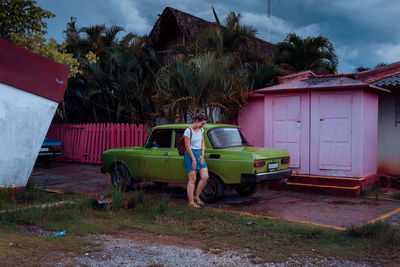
(260, 152)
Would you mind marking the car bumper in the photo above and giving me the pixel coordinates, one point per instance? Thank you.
(266, 176)
(49, 154)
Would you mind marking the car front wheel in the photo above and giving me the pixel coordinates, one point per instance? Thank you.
(121, 178)
(213, 190)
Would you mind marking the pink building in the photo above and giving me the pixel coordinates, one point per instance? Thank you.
(328, 123)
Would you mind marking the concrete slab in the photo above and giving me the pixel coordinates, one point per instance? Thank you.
(334, 211)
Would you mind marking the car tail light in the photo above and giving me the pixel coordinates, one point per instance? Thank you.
(55, 147)
(259, 163)
(285, 161)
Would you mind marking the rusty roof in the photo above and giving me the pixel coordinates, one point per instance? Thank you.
(173, 22)
(391, 81)
(370, 76)
(325, 83)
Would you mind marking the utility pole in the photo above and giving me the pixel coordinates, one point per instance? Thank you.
(269, 20)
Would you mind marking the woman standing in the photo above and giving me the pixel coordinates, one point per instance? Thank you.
(194, 159)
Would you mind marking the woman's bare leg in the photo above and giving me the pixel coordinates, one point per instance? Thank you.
(190, 186)
(202, 183)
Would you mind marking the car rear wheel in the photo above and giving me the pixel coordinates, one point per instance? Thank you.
(246, 190)
(121, 178)
(213, 190)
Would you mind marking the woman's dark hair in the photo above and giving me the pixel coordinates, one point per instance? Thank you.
(201, 116)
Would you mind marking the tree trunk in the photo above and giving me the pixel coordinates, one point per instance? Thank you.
(94, 113)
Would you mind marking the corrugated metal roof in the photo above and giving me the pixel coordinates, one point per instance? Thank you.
(390, 81)
(326, 83)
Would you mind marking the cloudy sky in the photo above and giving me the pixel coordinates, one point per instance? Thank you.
(364, 32)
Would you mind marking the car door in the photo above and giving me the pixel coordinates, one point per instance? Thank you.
(155, 158)
(177, 166)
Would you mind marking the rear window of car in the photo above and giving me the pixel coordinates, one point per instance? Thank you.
(178, 135)
(223, 137)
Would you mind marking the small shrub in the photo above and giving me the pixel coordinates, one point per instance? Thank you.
(118, 196)
(383, 232)
(5, 197)
(162, 206)
(396, 196)
(374, 191)
(30, 194)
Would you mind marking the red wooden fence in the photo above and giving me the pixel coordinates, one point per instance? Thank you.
(85, 142)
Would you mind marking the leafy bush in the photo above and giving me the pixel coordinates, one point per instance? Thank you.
(383, 232)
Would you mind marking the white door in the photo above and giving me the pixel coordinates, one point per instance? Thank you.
(287, 126)
(335, 132)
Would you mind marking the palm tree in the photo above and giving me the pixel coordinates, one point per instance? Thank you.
(231, 37)
(202, 82)
(261, 75)
(311, 53)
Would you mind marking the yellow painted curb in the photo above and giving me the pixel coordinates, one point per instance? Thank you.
(276, 218)
(393, 212)
(53, 191)
(325, 186)
(330, 177)
(383, 198)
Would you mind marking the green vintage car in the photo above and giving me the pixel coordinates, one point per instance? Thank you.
(232, 162)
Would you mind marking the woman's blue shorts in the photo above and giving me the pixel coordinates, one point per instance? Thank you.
(188, 160)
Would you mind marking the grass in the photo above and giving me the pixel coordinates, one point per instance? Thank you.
(270, 240)
(376, 191)
(396, 196)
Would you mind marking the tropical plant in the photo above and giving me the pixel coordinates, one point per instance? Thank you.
(261, 75)
(231, 37)
(312, 53)
(362, 68)
(205, 82)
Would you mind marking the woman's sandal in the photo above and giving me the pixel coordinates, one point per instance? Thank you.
(194, 205)
(199, 202)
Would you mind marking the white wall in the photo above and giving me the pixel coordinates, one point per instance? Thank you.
(24, 121)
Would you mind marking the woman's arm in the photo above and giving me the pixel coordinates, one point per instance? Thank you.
(190, 152)
(202, 150)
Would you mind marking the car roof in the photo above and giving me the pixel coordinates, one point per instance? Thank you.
(207, 126)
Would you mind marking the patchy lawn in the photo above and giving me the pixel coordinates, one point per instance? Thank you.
(268, 240)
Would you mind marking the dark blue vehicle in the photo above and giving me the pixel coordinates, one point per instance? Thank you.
(50, 150)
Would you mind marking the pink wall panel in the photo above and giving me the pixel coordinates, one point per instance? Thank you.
(370, 128)
(251, 120)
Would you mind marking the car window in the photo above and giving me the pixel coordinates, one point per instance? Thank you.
(178, 135)
(226, 137)
(160, 138)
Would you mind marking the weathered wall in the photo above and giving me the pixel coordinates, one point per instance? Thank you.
(24, 121)
(370, 134)
(388, 137)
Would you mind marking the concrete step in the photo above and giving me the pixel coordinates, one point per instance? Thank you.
(346, 186)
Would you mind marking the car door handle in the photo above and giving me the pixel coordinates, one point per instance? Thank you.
(215, 156)
(166, 153)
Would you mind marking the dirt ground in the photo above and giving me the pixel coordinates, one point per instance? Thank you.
(326, 210)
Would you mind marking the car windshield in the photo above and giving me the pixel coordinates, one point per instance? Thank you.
(222, 137)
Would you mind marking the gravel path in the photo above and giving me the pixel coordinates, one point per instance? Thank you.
(124, 252)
